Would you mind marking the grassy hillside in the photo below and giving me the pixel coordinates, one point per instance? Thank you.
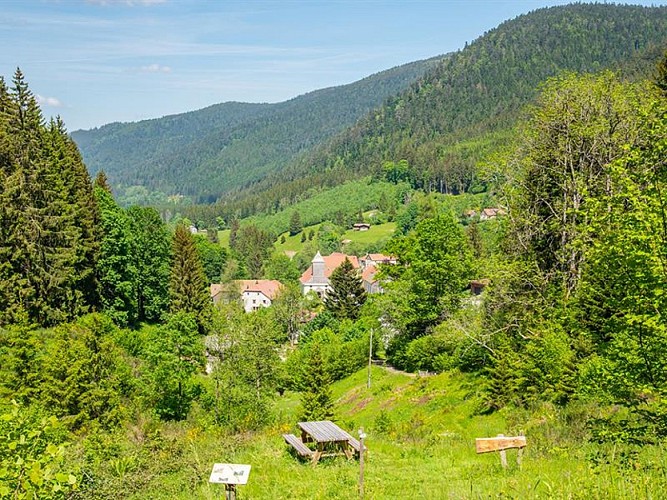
(212, 151)
(421, 434)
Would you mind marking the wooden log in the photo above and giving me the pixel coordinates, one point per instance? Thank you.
(499, 443)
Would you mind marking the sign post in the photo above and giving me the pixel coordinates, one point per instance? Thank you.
(362, 436)
(230, 475)
(370, 358)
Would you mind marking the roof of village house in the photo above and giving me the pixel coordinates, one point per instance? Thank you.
(331, 262)
(492, 212)
(369, 273)
(215, 288)
(270, 288)
(379, 257)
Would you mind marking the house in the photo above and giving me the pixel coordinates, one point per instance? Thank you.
(258, 293)
(316, 277)
(491, 213)
(254, 293)
(470, 214)
(361, 226)
(369, 280)
(216, 292)
(478, 286)
(375, 259)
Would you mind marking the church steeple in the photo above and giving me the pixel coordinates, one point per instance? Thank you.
(318, 266)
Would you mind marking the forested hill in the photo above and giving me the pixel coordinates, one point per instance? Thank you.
(465, 107)
(208, 152)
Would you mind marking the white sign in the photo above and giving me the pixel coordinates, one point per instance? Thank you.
(230, 474)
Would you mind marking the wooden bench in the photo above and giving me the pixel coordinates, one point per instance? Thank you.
(301, 449)
(356, 445)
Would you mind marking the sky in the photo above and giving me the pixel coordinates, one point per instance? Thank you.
(99, 61)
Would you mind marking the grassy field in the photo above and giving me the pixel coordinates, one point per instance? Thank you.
(376, 232)
(421, 434)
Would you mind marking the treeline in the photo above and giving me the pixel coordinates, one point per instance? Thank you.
(66, 247)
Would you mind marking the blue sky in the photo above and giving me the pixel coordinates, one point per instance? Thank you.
(99, 61)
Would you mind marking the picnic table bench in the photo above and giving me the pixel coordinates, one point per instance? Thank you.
(329, 439)
(301, 449)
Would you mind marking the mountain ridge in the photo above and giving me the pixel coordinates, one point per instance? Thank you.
(443, 122)
(218, 138)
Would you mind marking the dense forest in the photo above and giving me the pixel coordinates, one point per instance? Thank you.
(464, 109)
(119, 377)
(206, 153)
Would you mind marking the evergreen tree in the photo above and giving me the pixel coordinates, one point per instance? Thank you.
(188, 291)
(475, 239)
(253, 246)
(102, 181)
(295, 225)
(661, 75)
(48, 240)
(316, 398)
(346, 295)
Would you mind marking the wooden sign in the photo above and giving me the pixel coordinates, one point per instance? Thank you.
(486, 445)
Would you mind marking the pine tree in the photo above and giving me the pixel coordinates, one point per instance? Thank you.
(316, 398)
(660, 79)
(295, 225)
(48, 237)
(188, 291)
(475, 239)
(102, 181)
(346, 295)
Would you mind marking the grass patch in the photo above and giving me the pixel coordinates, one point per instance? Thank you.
(376, 233)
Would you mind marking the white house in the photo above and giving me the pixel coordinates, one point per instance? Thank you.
(375, 259)
(254, 293)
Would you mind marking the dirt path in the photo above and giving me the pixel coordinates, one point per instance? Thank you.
(391, 369)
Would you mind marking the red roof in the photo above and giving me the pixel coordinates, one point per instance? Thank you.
(270, 288)
(369, 274)
(380, 257)
(331, 262)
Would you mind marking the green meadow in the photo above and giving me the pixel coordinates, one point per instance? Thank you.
(421, 438)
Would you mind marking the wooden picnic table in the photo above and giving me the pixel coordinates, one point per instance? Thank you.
(330, 439)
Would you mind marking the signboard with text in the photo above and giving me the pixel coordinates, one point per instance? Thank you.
(230, 474)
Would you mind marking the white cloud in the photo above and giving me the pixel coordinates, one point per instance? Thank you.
(52, 102)
(156, 68)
